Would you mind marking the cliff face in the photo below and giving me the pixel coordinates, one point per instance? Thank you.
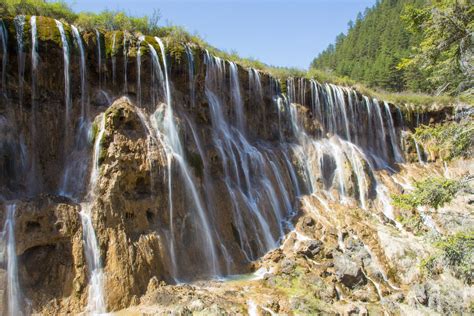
(188, 168)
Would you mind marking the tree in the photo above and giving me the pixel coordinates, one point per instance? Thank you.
(444, 56)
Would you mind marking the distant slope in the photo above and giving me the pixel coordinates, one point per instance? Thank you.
(373, 47)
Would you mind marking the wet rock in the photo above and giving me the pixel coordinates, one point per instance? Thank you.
(355, 310)
(311, 248)
(348, 271)
(287, 266)
(308, 221)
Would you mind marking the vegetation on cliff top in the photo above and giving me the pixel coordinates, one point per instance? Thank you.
(417, 45)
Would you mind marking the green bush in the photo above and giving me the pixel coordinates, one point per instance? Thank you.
(433, 191)
(450, 140)
(455, 252)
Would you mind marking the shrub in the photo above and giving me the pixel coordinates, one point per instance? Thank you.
(451, 140)
(433, 191)
(456, 252)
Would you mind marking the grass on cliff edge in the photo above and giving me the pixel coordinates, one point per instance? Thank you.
(109, 20)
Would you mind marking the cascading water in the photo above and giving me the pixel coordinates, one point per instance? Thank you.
(393, 137)
(80, 45)
(192, 84)
(236, 96)
(125, 63)
(250, 176)
(75, 172)
(175, 153)
(67, 85)
(139, 70)
(13, 287)
(19, 27)
(114, 59)
(4, 42)
(99, 56)
(34, 75)
(96, 301)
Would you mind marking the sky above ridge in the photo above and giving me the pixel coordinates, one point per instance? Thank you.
(278, 32)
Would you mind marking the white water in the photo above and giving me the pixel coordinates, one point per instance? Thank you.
(79, 43)
(67, 85)
(34, 43)
(139, 70)
(4, 42)
(13, 287)
(34, 74)
(99, 57)
(125, 63)
(176, 154)
(192, 86)
(19, 22)
(393, 136)
(96, 299)
(114, 59)
(237, 97)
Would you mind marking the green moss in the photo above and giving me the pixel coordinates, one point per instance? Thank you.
(48, 31)
(93, 132)
(448, 140)
(432, 191)
(305, 289)
(110, 50)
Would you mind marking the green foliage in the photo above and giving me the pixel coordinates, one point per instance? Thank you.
(445, 28)
(413, 222)
(455, 252)
(107, 20)
(449, 140)
(56, 9)
(373, 47)
(415, 45)
(433, 192)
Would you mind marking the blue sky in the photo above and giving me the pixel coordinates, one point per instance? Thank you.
(277, 32)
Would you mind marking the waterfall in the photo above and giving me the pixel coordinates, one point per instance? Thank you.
(157, 76)
(419, 149)
(139, 66)
(67, 86)
(250, 173)
(99, 56)
(13, 287)
(114, 59)
(392, 133)
(380, 130)
(96, 300)
(4, 42)
(80, 45)
(34, 75)
(237, 97)
(176, 153)
(125, 63)
(192, 87)
(19, 22)
(75, 171)
(34, 62)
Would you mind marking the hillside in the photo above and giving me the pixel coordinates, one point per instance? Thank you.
(415, 45)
